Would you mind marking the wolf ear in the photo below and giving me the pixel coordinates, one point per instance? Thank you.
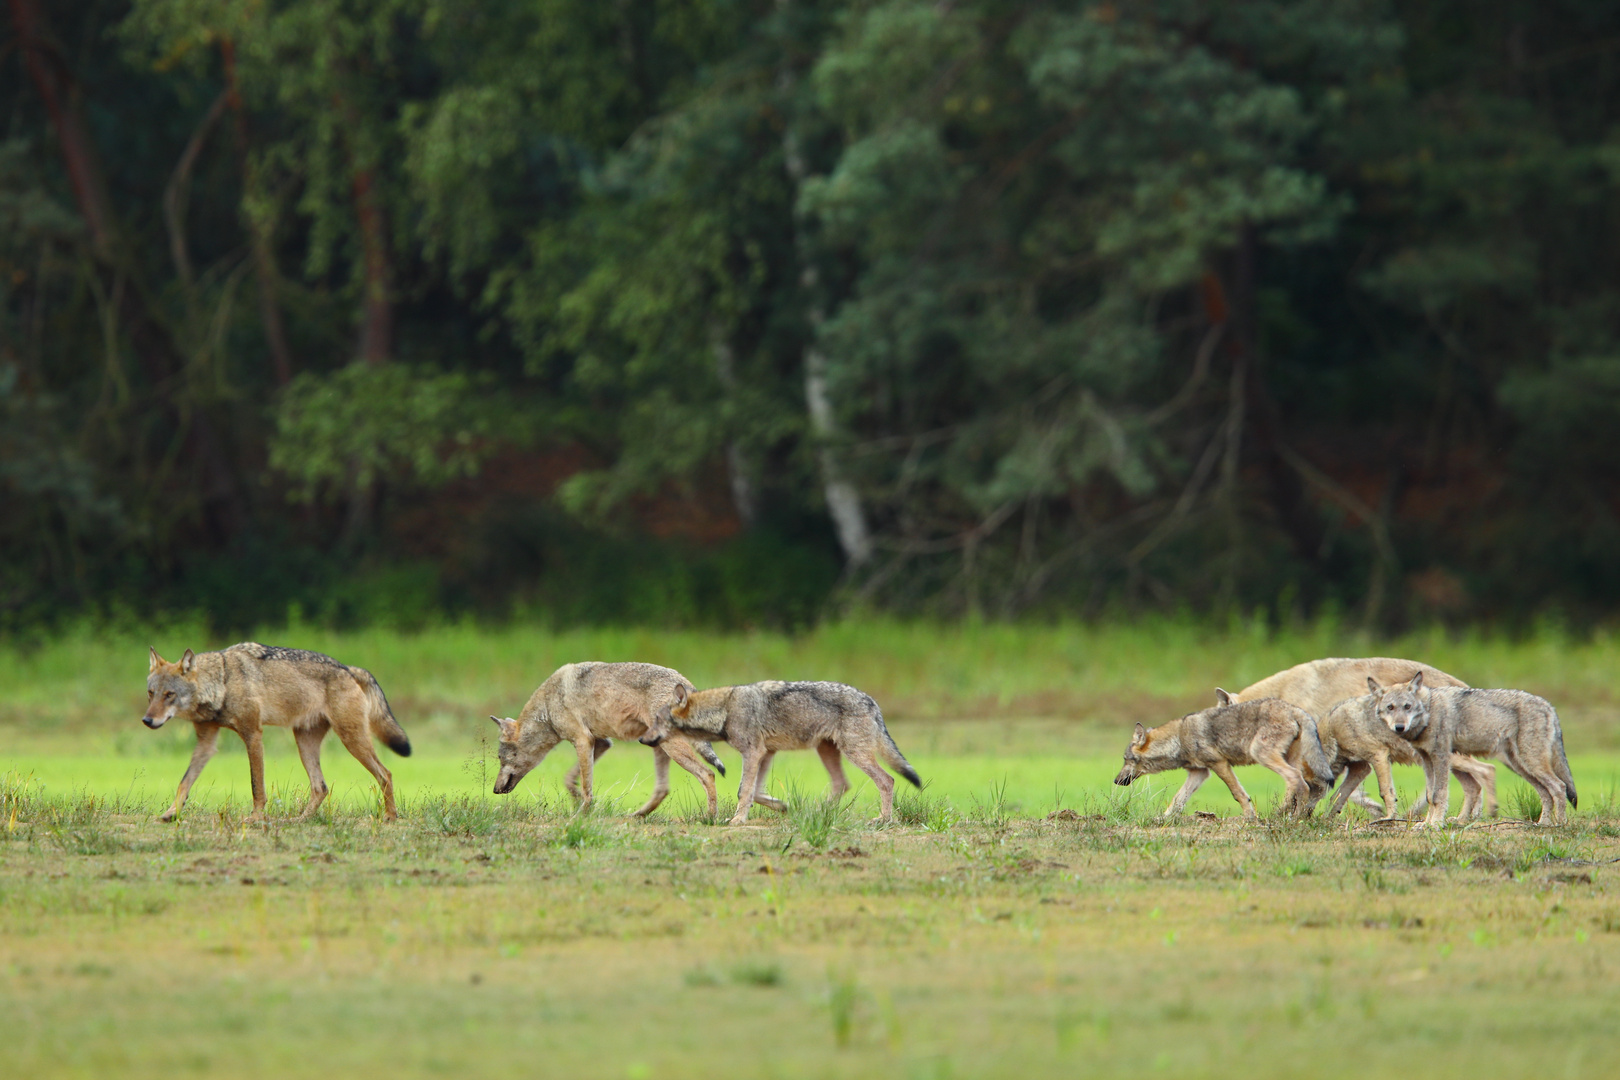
(1138, 737)
(1372, 686)
(156, 660)
(1222, 698)
(682, 696)
(187, 662)
(505, 725)
(1417, 681)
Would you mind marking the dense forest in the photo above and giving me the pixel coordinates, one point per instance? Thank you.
(746, 311)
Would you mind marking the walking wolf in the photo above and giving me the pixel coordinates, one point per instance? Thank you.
(248, 687)
(762, 718)
(1359, 742)
(589, 704)
(1268, 732)
(1520, 728)
(1318, 685)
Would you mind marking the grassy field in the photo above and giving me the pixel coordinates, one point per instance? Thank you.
(1024, 917)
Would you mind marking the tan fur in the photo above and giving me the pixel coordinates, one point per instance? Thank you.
(763, 718)
(588, 704)
(1268, 732)
(1318, 685)
(249, 687)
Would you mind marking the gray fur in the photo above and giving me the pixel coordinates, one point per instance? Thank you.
(1518, 727)
(1268, 732)
(589, 704)
(762, 718)
(1318, 685)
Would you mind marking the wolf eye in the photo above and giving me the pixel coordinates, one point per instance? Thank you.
(168, 695)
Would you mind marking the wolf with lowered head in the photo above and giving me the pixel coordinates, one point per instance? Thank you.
(1318, 685)
(590, 704)
(1268, 732)
(249, 687)
(762, 718)
(1520, 728)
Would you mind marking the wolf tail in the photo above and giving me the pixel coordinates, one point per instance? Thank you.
(710, 756)
(383, 724)
(1561, 761)
(1316, 757)
(890, 752)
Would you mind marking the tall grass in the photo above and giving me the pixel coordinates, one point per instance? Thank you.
(93, 677)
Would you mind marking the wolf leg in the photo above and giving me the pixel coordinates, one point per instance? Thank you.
(863, 759)
(1353, 777)
(750, 782)
(1437, 786)
(660, 782)
(571, 781)
(1386, 787)
(1548, 787)
(309, 751)
(207, 743)
(1195, 780)
(254, 741)
(1224, 771)
(833, 761)
(1461, 768)
(1296, 793)
(685, 755)
(760, 795)
(356, 739)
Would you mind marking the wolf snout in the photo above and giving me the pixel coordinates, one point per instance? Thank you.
(650, 739)
(152, 722)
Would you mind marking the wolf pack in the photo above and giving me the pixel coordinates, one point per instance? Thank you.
(1317, 725)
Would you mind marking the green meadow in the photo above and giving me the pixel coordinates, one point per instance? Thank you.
(1022, 917)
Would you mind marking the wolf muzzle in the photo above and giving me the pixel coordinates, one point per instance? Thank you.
(153, 722)
(651, 740)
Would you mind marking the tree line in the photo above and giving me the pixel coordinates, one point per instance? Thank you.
(744, 310)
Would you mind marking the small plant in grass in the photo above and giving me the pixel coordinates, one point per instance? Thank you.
(461, 815)
(842, 998)
(920, 809)
(994, 811)
(758, 971)
(1523, 803)
(580, 832)
(814, 818)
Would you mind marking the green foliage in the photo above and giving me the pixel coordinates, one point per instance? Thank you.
(363, 422)
(1184, 304)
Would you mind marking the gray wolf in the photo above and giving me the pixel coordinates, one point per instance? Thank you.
(1318, 685)
(762, 718)
(1520, 728)
(589, 704)
(1359, 742)
(1268, 732)
(248, 687)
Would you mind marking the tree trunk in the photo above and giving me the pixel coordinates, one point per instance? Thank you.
(377, 309)
(743, 495)
(843, 499)
(264, 259)
(153, 344)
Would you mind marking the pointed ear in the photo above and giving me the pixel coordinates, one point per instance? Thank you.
(1222, 698)
(1139, 736)
(507, 725)
(155, 662)
(682, 696)
(187, 662)
(1417, 681)
(1372, 686)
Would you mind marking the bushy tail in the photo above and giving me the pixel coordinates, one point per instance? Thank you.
(383, 724)
(1316, 757)
(891, 753)
(1561, 762)
(710, 756)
